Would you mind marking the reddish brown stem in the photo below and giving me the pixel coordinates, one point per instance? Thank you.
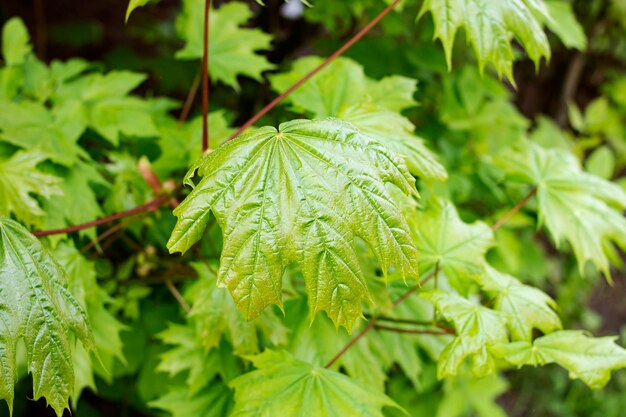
(514, 210)
(144, 208)
(413, 331)
(106, 234)
(205, 78)
(351, 343)
(317, 69)
(177, 295)
(191, 96)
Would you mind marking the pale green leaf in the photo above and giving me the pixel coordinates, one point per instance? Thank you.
(300, 194)
(284, 386)
(213, 401)
(340, 85)
(317, 342)
(576, 207)
(443, 238)
(465, 395)
(15, 42)
(19, 179)
(525, 308)
(477, 329)
(586, 358)
(342, 90)
(601, 163)
(218, 317)
(490, 27)
(565, 25)
(231, 48)
(188, 356)
(37, 307)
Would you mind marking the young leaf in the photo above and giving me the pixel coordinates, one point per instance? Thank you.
(525, 308)
(19, 178)
(342, 90)
(300, 194)
(134, 4)
(477, 329)
(587, 358)
(231, 48)
(576, 207)
(565, 25)
(490, 26)
(477, 397)
(15, 42)
(284, 386)
(36, 306)
(459, 248)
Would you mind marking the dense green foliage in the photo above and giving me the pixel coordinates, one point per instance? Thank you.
(401, 199)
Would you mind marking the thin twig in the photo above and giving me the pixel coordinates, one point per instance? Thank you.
(151, 205)
(351, 343)
(514, 210)
(191, 97)
(177, 295)
(413, 331)
(317, 69)
(106, 234)
(205, 78)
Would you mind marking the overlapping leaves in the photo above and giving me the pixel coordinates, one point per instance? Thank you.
(282, 385)
(300, 194)
(36, 306)
(342, 90)
(580, 208)
(490, 26)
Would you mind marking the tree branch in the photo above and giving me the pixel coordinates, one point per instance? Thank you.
(151, 205)
(317, 69)
(442, 332)
(205, 78)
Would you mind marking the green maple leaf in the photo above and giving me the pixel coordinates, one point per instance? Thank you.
(231, 48)
(31, 126)
(105, 327)
(102, 101)
(284, 386)
(525, 308)
(587, 358)
(477, 329)
(576, 207)
(19, 178)
(189, 356)
(213, 401)
(490, 26)
(464, 395)
(342, 90)
(36, 306)
(316, 343)
(300, 194)
(218, 316)
(443, 238)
